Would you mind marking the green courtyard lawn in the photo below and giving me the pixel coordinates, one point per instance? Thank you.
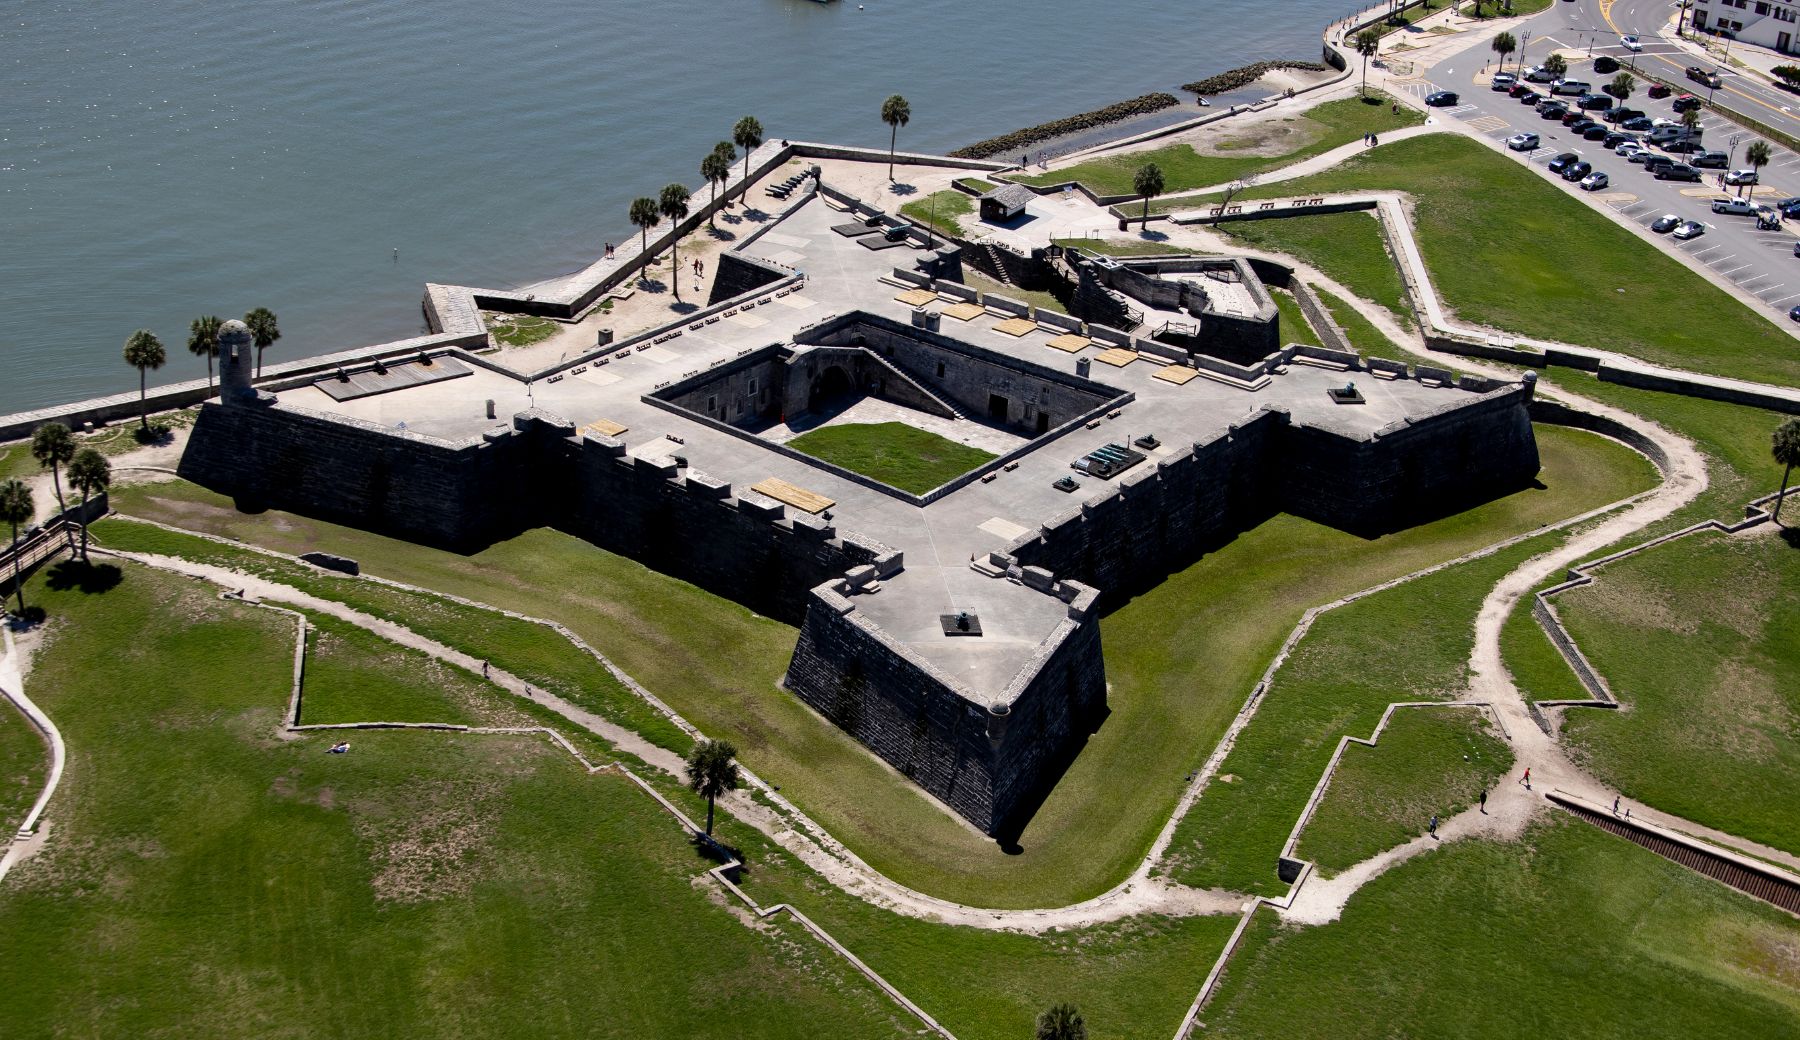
(24, 762)
(1294, 326)
(1180, 660)
(1549, 266)
(1364, 337)
(894, 453)
(1043, 301)
(1430, 761)
(353, 675)
(1568, 932)
(1347, 247)
(1700, 639)
(1125, 246)
(1313, 132)
(522, 330)
(943, 210)
(208, 878)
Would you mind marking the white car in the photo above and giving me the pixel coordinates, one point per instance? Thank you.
(1744, 176)
(1502, 81)
(1627, 149)
(1523, 142)
(1594, 181)
(1690, 229)
(1630, 43)
(1657, 124)
(1735, 207)
(1539, 74)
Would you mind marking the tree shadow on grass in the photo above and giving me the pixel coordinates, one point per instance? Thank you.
(1791, 535)
(84, 576)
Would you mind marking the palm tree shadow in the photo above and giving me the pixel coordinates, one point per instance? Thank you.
(84, 576)
(1153, 236)
(721, 234)
(653, 285)
(684, 307)
(32, 617)
(899, 188)
(755, 215)
(1791, 535)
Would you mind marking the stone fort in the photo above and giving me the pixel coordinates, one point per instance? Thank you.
(954, 632)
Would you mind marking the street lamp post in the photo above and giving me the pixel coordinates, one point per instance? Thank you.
(1524, 42)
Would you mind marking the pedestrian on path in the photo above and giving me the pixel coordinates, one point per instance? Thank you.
(1527, 778)
(1484, 801)
(484, 669)
(1615, 805)
(1432, 828)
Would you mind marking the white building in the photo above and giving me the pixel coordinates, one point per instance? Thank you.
(1760, 22)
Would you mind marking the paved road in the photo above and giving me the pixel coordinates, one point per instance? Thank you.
(1762, 263)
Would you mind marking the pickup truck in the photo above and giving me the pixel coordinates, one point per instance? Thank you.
(1735, 207)
(1705, 76)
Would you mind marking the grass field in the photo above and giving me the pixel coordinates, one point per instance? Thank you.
(1313, 132)
(1429, 761)
(1180, 660)
(353, 675)
(1347, 247)
(1364, 337)
(1294, 326)
(894, 453)
(1700, 638)
(1630, 297)
(522, 330)
(1570, 932)
(1043, 301)
(16, 459)
(24, 761)
(1125, 247)
(943, 210)
(207, 879)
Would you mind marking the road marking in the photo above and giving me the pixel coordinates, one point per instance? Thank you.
(1728, 274)
(1752, 281)
(1784, 299)
(1707, 250)
(1774, 288)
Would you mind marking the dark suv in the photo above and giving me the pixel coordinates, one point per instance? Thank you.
(1563, 162)
(1677, 172)
(1619, 114)
(1659, 90)
(1685, 102)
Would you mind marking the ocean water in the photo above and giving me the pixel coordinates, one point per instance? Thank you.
(161, 159)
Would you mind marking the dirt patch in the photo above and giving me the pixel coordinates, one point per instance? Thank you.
(430, 844)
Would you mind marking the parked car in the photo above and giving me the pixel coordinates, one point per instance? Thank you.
(1681, 146)
(1576, 171)
(1552, 110)
(1631, 43)
(1606, 63)
(1789, 207)
(1704, 76)
(1666, 223)
(1523, 142)
(1441, 98)
(1580, 124)
(1639, 123)
(1743, 176)
(1573, 116)
(1794, 312)
(1503, 81)
(1563, 161)
(1734, 207)
(1659, 90)
(1685, 102)
(1677, 172)
(1615, 138)
(1572, 87)
(1662, 135)
(1526, 95)
(1539, 74)
(1649, 160)
(1597, 132)
(1594, 181)
(1709, 160)
(1619, 114)
(1690, 229)
(1629, 149)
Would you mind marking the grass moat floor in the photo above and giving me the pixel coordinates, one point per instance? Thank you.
(894, 453)
(1180, 660)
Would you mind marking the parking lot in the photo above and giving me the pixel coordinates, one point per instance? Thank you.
(1761, 262)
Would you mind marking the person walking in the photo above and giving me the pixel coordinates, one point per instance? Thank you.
(1484, 801)
(1615, 805)
(484, 669)
(1527, 778)
(1431, 828)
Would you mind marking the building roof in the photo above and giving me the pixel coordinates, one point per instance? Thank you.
(1011, 196)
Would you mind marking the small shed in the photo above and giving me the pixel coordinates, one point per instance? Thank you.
(1005, 202)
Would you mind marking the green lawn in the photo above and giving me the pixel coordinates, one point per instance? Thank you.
(1700, 638)
(941, 209)
(894, 453)
(1125, 247)
(522, 330)
(1294, 326)
(112, 441)
(1313, 132)
(24, 761)
(1429, 761)
(207, 879)
(1041, 300)
(1570, 932)
(1364, 337)
(1347, 247)
(353, 675)
(1624, 294)
(1180, 661)
(535, 653)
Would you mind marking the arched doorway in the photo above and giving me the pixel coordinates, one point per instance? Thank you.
(832, 384)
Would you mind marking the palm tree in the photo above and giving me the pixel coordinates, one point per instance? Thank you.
(1061, 1022)
(645, 215)
(1556, 64)
(263, 331)
(1367, 43)
(1758, 156)
(748, 133)
(1622, 85)
(1786, 449)
(1505, 44)
(895, 112)
(144, 352)
(712, 771)
(203, 341)
(53, 446)
(1690, 122)
(1148, 181)
(673, 204)
(717, 170)
(16, 509)
(90, 473)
